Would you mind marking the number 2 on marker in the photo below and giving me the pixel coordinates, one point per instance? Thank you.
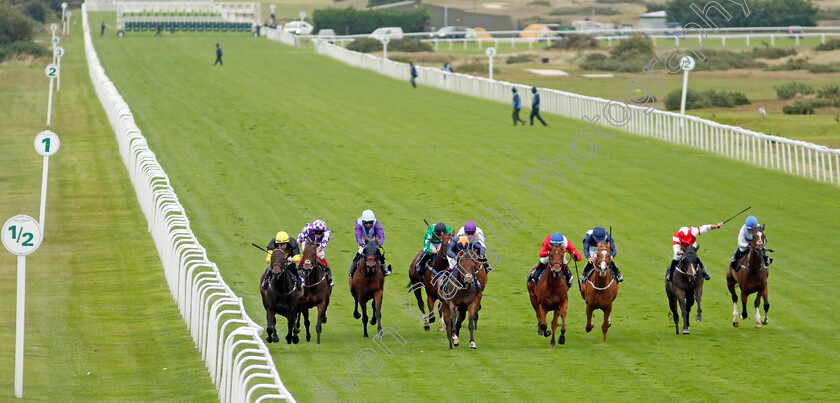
(52, 71)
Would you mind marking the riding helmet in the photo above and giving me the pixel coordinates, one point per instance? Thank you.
(469, 226)
(281, 237)
(440, 228)
(599, 233)
(319, 225)
(557, 238)
(751, 222)
(368, 216)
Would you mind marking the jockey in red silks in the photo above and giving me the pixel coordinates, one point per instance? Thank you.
(555, 239)
(682, 239)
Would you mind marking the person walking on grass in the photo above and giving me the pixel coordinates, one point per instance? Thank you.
(517, 106)
(218, 55)
(535, 107)
(413, 71)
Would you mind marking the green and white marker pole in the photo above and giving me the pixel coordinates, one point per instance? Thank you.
(302, 15)
(55, 41)
(63, 23)
(688, 64)
(51, 72)
(67, 14)
(57, 53)
(490, 52)
(21, 235)
(385, 41)
(53, 27)
(46, 144)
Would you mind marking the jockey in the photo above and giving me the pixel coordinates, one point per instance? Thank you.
(291, 252)
(471, 230)
(368, 228)
(744, 238)
(683, 238)
(595, 236)
(463, 243)
(555, 239)
(431, 244)
(317, 232)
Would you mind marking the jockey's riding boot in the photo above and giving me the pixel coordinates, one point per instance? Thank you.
(568, 274)
(477, 284)
(767, 260)
(487, 267)
(535, 274)
(705, 273)
(328, 274)
(670, 271)
(616, 272)
(266, 278)
(421, 264)
(353, 263)
(386, 270)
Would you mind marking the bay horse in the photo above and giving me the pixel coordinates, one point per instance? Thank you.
(431, 278)
(281, 297)
(367, 284)
(415, 284)
(550, 293)
(316, 290)
(751, 278)
(462, 299)
(599, 291)
(685, 287)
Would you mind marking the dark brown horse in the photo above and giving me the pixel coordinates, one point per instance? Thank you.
(462, 299)
(316, 290)
(751, 278)
(685, 287)
(431, 279)
(367, 284)
(600, 289)
(281, 297)
(415, 285)
(551, 293)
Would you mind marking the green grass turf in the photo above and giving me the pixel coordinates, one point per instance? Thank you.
(101, 324)
(279, 136)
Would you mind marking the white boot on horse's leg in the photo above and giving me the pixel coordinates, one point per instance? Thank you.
(735, 317)
(757, 318)
(455, 340)
(472, 345)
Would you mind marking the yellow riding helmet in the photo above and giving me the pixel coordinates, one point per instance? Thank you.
(281, 237)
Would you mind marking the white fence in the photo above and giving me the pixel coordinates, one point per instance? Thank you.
(792, 156)
(239, 362)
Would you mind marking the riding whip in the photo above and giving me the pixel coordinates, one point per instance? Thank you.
(257, 246)
(736, 215)
(576, 274)
(427, 223)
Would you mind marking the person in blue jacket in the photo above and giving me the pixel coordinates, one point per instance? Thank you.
(590, 250)
(535, 107)
(413, 71)
(517, 106)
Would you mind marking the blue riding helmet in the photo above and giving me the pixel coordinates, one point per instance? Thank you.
(599, 234)
(751, 222)
(557, 238)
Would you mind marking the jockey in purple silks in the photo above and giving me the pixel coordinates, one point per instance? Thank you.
(368, 228)
(318, 233)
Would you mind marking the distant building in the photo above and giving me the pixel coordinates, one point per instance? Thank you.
(653, 20)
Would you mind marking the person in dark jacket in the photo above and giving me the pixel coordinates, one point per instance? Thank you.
(291, 251)
(413, 71)
(594, 237)
(517, 106)
(535, 107)
(218, 55)
(102, 31)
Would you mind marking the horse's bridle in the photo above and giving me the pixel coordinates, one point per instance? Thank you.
(371, 269)
(556, 273)
(761, 251)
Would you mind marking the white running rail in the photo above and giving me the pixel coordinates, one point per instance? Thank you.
(238, 360)
(796, 157)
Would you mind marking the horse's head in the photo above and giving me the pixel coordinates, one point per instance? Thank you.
(468, 265)
(556, 255)
(690, 263)
(309, 257)
(444, 240)
(371, 256)
(278, 261)
(603, 258)
(758, 240)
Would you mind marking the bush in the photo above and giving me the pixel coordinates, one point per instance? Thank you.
(706, 99)
(476, 67)
(523, 58)
(823, 68)
(365, 45)
(14, 26)
(763, 13)
(540, 3)
(789, 90)
(824, 14)
(772, 53)
(354, 21)
(633, 46)
(23, 48)
(36, 10)
(798, 108)
(833, 44)
(829, 91)
(599, 61)
(409, 45)
(723, 60)
(575, 41)
(791, 64)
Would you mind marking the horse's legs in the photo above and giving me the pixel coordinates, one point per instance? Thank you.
(373, 311)
(744, 298)
(322, 313)
(472, 324)
(766, 305)
(757, 311)
(730, 283)
(306, 323)
(554, 326)
(271, 332)
(563, 307)
(589, 325)
(542, 327)
(356, 308)
(450, 327)
(418, 293)
(606, 325)
(377, 313)
(684, 311)
(364, 315)
(431, 304)
(697, 297)
(462, 314)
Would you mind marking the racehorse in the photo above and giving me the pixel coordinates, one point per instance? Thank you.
(316, 290)
(751, 277)
(367, 284)
(686, 285)
(281, 297)
(550, 293)
(415, 283)
(432, 277)
(460, 296)
(599, 291)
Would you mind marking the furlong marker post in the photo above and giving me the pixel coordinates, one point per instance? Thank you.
(46, 144)
(490, 53)
(51, 72)
(57, 53)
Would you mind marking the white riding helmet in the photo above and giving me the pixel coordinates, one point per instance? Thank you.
(367, 215)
